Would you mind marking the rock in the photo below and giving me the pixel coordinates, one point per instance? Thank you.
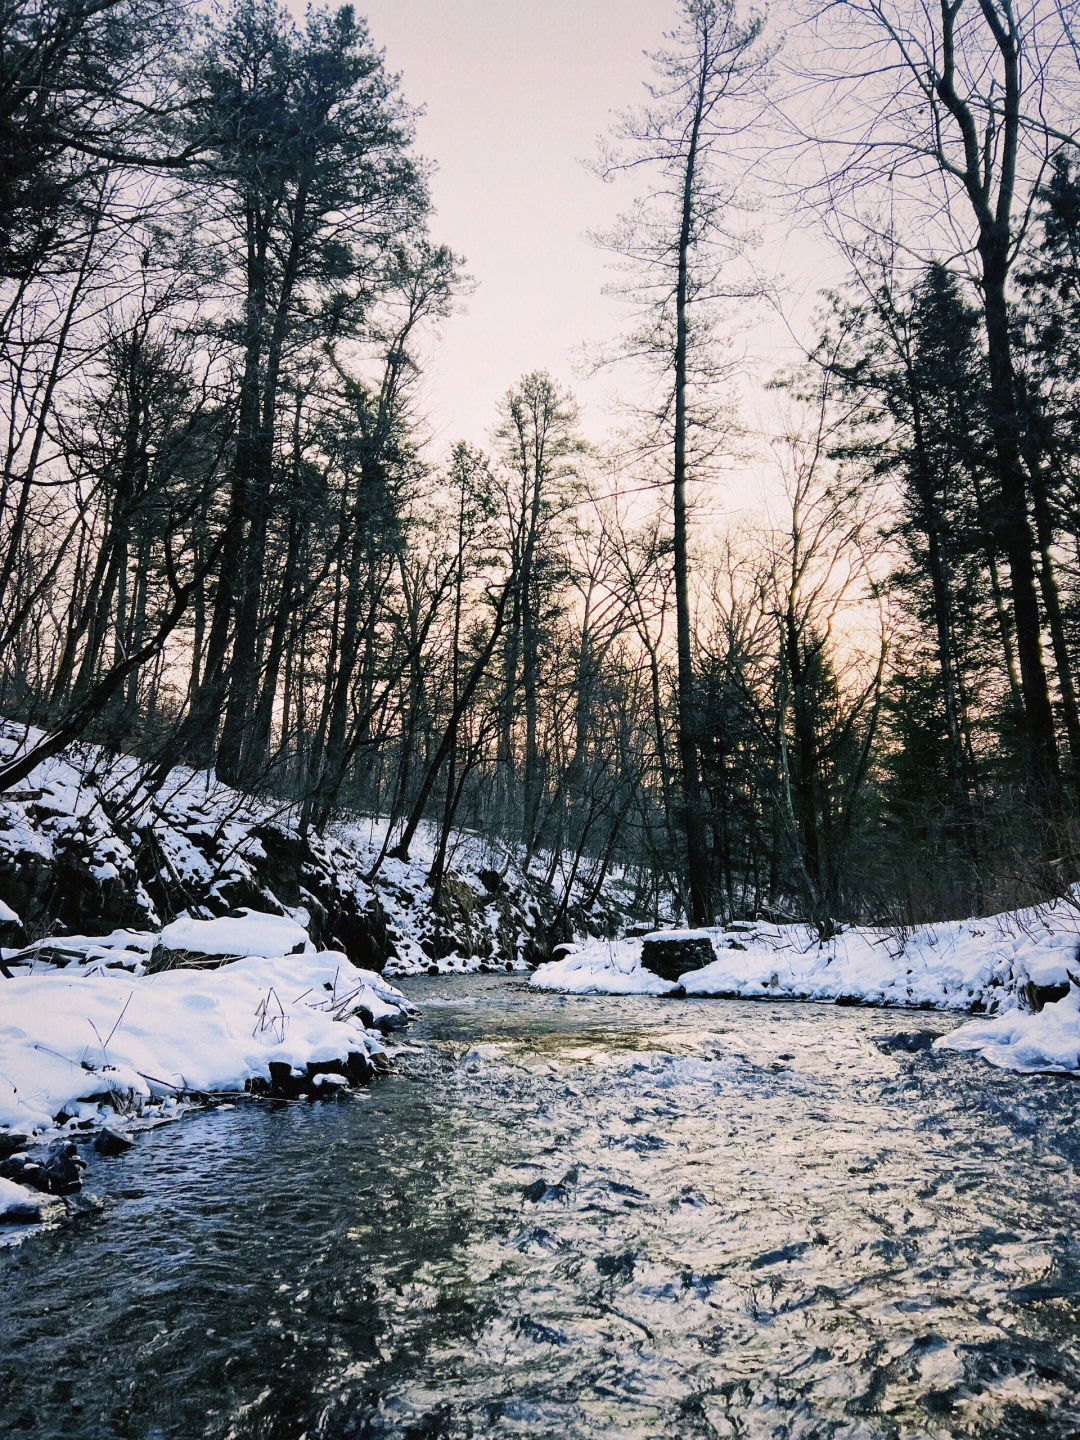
(359, 1067)
(164, 957)
(670, 954)
(23, 1171)
(63, 1167)
(909, 1042)
(12, 931)
(78, 1205)
(319, 1078)
(285, 856)
(112, 1142)
(285, 1082)
(1036, 996)
(23, 1212)
(11, 1142)
(58, 1173)
(540, 1192)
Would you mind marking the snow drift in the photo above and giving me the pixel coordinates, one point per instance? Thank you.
(77, 1050)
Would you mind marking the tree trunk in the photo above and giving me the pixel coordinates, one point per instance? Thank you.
(693, 819)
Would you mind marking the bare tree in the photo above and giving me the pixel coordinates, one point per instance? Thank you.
(676, 245)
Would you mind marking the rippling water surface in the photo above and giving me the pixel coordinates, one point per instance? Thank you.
(575, 1217)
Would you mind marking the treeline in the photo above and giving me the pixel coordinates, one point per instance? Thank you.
(224, 540)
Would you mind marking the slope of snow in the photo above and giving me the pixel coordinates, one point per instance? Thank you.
(85, 844)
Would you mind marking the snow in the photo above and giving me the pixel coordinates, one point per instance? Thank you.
(85, 1045)
(248, 932)
(20, 1205)
(602, 967)
(1020, 1040)
(122, 949)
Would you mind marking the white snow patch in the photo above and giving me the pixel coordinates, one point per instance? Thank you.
(602, 967)
(248, 933)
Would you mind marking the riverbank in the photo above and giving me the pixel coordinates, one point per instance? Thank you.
(134, 1029)
(1015, 968)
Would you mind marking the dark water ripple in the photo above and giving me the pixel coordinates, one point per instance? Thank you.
(569, 1217)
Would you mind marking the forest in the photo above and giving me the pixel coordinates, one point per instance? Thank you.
(228, 541)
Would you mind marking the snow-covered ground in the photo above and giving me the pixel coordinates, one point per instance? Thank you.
(80, 1044)
(114, 1043)
(1000, 965)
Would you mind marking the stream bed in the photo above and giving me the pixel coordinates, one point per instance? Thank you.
(575, 1217)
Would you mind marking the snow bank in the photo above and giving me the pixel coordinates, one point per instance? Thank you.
(81, 1046)
(1020, 1040)
(602, 967)
(957, 965)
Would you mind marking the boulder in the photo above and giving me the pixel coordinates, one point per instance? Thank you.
(671, 953)
(112, 1142)
(12, 932)
(1036, 996)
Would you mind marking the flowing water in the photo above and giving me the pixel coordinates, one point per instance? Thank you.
(575, 1217)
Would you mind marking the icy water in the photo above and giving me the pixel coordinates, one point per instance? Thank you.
(576, 1217)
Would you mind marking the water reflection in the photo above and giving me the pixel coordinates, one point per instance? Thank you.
(574, 1217)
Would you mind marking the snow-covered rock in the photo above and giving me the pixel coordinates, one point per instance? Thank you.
(248, 932)
(121, 949)
(20, 1206)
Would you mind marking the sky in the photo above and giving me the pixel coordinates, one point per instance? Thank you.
(515, 94)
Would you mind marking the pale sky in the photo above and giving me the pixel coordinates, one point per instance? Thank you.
(516, 93)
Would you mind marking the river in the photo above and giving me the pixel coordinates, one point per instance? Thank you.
(579, 1217)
